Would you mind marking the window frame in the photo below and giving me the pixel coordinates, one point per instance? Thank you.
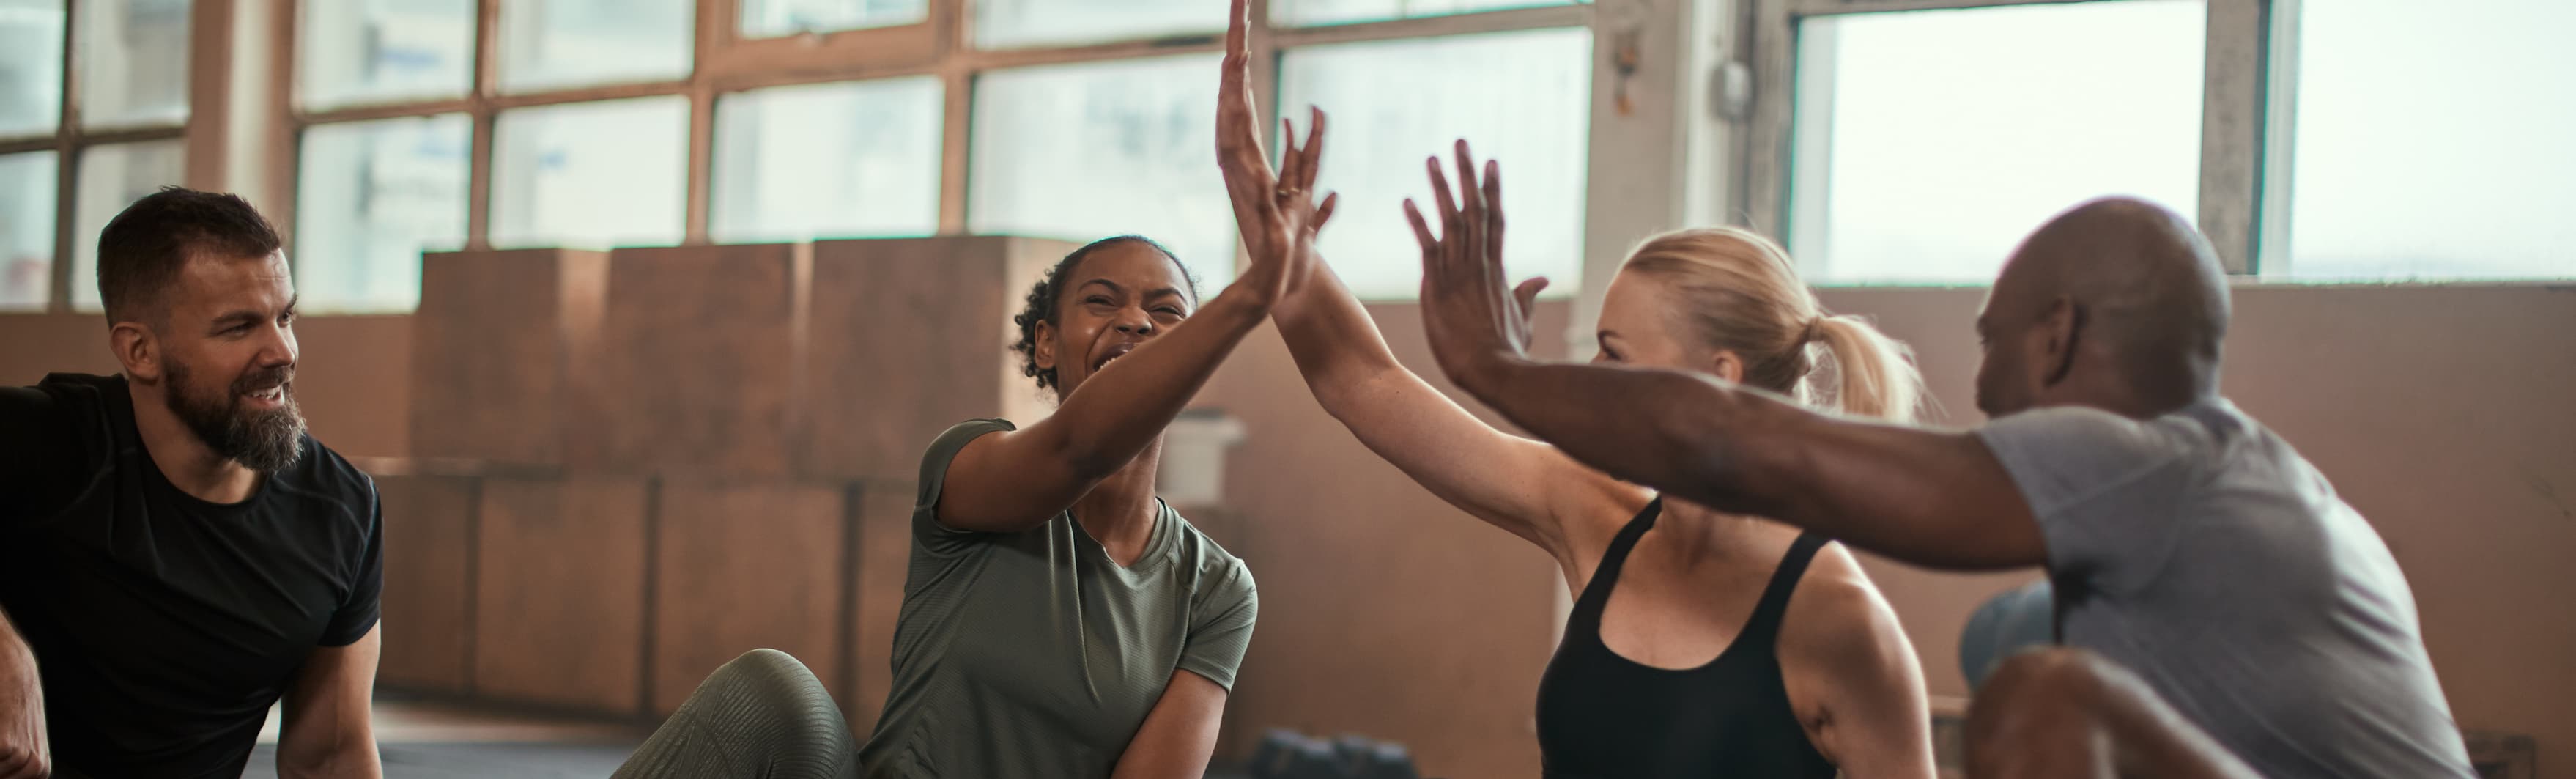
(725, 62)
(69, 141)
(2244, 117)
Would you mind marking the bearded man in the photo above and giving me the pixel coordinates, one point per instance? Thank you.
(176, 554)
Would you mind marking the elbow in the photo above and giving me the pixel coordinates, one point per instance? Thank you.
(1337, 399)
(1346, 391)
(346, 758)
(343, 746)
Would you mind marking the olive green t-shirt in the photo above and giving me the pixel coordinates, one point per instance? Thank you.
(1032, 654)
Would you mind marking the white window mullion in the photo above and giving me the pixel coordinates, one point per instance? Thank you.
(2270, 250)
(1657, 158)
(486, 81)
(713, 30)
(2232, 130)
(1656, 136)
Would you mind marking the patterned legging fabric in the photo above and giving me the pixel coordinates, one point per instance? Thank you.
(762, 716)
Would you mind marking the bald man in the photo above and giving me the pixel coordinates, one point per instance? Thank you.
(2231, 616)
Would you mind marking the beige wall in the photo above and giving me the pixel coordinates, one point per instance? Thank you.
(2445, 415)
(1384, 612)
(32, 345)
(2442, 413)
(353, 378)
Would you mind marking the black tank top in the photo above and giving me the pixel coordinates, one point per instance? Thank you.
(1603, 716)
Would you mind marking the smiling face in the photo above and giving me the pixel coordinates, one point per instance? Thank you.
(227, 356)
(1112, 300)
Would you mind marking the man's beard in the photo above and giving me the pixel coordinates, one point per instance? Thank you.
(264, 441)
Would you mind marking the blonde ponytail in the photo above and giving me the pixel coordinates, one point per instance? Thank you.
(1872, 376)
(1738, 291)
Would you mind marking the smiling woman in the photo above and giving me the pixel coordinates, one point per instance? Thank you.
(1058, 618)
(1043, 310)
(1006, 517)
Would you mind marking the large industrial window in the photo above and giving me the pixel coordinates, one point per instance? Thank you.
(70, 158)
(602, 123)
(1915, 141)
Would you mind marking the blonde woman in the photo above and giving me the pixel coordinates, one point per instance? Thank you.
(1702, 643)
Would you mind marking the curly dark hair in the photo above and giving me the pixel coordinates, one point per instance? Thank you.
(1041, 305)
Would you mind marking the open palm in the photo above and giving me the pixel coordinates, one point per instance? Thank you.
(1276, 211)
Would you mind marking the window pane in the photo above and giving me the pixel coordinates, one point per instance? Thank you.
(1082, 152)
(1304, 13)
(26, 230)
(611, 173)
(777, 18)
(378, 51)
(828, 161)
(31, 67)
(1521, 97)
(111, 178)
(2445, 159)
(1928, 143)
(370, 197)
(1001, 24)
(134, 62)
(553, 44)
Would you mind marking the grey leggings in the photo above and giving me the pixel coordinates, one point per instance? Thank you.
(762, 715)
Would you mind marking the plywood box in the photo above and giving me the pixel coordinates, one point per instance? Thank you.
(500, 349)
(427, 601)
(559, 591)
(748, 566)
(697, 364)
(911, 336)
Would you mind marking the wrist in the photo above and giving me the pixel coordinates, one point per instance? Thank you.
(1244, 304)
(1484, 372)
(1256, 290)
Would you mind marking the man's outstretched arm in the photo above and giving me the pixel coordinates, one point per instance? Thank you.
(1925, 497)
(1929, 498)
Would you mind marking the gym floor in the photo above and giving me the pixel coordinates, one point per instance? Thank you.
(422, 740)
(426, 740)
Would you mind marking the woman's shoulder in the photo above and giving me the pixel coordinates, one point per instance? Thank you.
(943, 450)
(1836, 585)
(1841, 649)
(1835, 602)
(1214, 568)
(968, 430)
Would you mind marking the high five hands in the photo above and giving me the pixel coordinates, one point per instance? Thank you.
(1474, 321)
(1276, 213)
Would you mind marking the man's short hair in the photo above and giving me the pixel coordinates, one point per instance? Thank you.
(143, 248)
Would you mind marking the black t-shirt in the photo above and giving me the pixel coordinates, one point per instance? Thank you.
(165, 626)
